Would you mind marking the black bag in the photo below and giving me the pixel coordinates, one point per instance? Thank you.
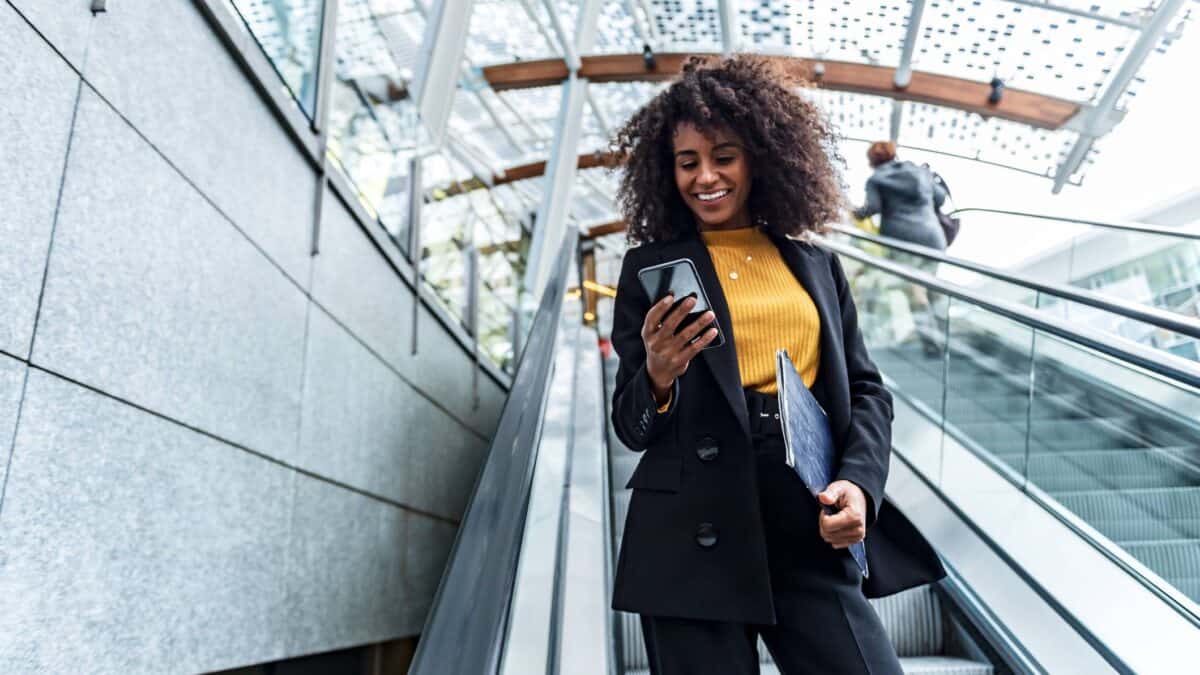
(950, 225)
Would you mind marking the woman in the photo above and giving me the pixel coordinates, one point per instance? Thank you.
(722, 542)
(907, 198)
(905, 195)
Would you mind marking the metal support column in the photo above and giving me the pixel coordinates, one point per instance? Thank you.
(559, 178)
(416, 197)
(904, 69)
(435, 79)
(730, 27)
(1101, 118)
(325, 70)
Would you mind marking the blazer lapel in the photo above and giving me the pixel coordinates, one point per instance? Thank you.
(817, 282)
(722, 361)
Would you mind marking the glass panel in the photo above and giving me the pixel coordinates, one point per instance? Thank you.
(1175, 268)
(373, 127)
(1109, 442)
(496, 328)
(1144, 268)
(289, 32)
(444, 241)
(1117, 447)
(987, 384)
(904, 329)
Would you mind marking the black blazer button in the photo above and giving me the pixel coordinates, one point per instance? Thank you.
(707, 449)
(706, 535)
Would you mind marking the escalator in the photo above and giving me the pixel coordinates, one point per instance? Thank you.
(1115, 445)
(1126, 468)
(1056, 471)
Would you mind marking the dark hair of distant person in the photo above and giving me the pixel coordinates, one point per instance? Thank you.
(881, 152)
(795, 186)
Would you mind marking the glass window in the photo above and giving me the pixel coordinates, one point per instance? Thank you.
(372, 118)
(289, 32)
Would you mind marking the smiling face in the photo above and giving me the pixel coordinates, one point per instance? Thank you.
(712, 173)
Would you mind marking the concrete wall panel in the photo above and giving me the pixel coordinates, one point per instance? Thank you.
(133, 545)
(64, 23)
(161, 64)
(153, 297)
(365, 426)
(12, 379)
(341, 565)
(356, 284)
(428, 549)
(38, 94)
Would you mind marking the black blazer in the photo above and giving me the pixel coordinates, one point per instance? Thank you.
(680, 482)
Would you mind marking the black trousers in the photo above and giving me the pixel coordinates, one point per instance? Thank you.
(824, 624)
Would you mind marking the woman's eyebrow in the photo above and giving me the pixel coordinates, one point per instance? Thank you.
(719, 146)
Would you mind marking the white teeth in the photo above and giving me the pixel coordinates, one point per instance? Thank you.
(712, 195)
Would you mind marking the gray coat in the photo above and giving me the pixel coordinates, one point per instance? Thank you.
(907, 197)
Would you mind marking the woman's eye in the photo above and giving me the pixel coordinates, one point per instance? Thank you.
(724, 160)
(689, 166)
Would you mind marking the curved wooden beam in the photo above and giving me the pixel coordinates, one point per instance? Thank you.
(1038, 110)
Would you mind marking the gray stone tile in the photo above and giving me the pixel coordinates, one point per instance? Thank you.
(196, 105)
(153, 297)
(38, 91)
(397, 611)
(356, 284)
(352, 280)
(136, 543)
(337, 570)
(64, 23)
(12, 379)
(428, 549)
(365, 426)
(443, 368)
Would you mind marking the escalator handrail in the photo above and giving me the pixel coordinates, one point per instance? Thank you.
(1127, 226)
(467, 620)
(1154, 316)
(1172, 368)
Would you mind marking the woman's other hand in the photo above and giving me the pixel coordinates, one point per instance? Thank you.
(668, 354)
(849, 524)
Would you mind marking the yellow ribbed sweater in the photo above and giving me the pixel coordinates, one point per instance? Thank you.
(768, 307)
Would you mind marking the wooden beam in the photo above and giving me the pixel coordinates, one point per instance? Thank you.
(535, 169)
(607, 228)
(1038, 110)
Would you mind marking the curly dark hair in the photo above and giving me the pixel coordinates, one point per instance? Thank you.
(790, 146)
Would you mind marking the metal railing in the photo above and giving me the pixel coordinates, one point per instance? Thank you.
(1111, 225)
(1152, 315)
(1178, 370)
(465, 629)
(1181, 374)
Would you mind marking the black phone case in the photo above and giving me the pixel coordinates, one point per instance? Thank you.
(656, 294)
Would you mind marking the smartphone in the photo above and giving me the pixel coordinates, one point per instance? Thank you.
(679, 278)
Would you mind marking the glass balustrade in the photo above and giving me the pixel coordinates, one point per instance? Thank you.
(289, 33)
(1115, 446)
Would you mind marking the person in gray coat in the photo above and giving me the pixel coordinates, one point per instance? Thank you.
(907, 198)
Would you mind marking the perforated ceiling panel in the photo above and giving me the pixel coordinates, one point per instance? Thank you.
(838, 30)
(503, 31)
(687, 25)
(990, 140)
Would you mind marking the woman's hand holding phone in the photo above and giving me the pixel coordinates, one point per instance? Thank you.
(668, 354)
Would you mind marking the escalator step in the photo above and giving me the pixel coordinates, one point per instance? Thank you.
(1138, 514)
(912, 665)
(1008, 436)
(1098, 469)
(1170, 559)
